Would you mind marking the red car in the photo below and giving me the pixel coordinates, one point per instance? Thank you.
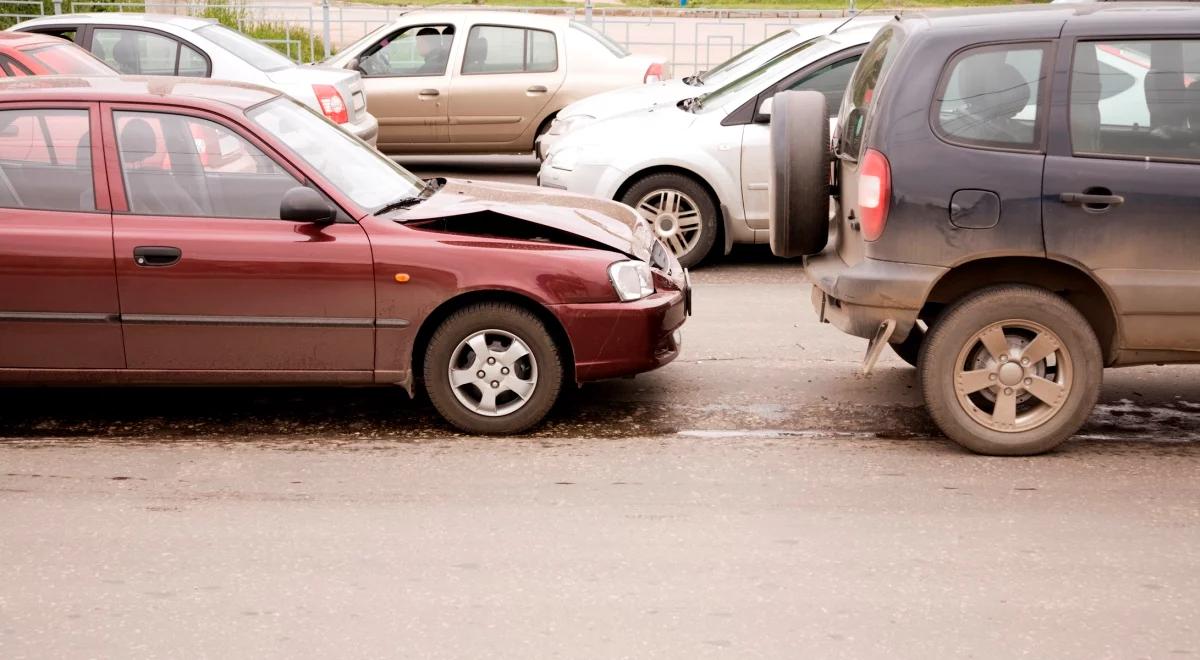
(27, 54)
(169, 230)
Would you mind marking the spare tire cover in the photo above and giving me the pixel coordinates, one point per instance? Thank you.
(800, 176)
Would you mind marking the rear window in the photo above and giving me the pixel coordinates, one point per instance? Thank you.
(612, 46)
(989, 97)
(860, 95)
(252, 52)
(68, 60)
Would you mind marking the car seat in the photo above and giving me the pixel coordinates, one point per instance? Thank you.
(993, 95)
(476, 55)
(125, 53)
(1085, 100)
(151, 190)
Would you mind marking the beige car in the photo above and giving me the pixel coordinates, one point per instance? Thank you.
(483, 81)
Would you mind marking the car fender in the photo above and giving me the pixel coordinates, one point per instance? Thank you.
(691, 159)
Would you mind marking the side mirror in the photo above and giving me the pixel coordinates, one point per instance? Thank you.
(302, 204)
(355, 65)
(763, 116)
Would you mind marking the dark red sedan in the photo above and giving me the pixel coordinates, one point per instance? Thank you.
(165, 230)
(27, 54)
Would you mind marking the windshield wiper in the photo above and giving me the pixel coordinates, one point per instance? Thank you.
(431, 186)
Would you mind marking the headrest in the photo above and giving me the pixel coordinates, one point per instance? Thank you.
(999, 93)
(137, 141)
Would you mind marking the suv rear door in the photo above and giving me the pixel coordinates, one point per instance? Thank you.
(1119, 193)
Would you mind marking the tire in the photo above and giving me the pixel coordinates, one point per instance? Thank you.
(955, 359)
(651, 196)
(799, 214)
(496, 323)
(909, 350)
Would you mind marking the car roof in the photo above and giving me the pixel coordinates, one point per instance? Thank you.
(194, 92)
(147, 20)
(488, 16)
(11, 39)
(1116, 14)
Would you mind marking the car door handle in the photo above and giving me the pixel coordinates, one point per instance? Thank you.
(537, 89)
(151, 256)
(1090, 199)
(428, 92)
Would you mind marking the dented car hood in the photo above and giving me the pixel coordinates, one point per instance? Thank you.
(608, 223)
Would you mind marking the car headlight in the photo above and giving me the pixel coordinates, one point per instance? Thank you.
(631, 280)
(562, 125)
(565, 159)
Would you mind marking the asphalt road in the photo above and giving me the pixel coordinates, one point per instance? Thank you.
(756, 498)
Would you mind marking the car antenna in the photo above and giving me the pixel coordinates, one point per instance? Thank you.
(855, 15)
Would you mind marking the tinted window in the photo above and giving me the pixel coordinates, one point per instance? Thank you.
(185, 166)
(830, 80)
(492, 49)
(860, 94)
(192, 63)
(135, 52)
(1136, 98)
(990, 97)
(46, 160)
(249, 50)
(416, 51)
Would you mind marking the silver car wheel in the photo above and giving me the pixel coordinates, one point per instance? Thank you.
(493, 373)
(675, 217)
(1013, 376)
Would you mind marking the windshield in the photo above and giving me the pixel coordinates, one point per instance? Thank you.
(616, 48)
(358, 171)
(771, 71)
(760, 50)
(69, 60)
(254, 53)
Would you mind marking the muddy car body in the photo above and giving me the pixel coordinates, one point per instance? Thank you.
(1013, 202)
(181, 231)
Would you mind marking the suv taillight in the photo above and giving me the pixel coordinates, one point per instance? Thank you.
(874, 193)
(332, 104)
(654, 73)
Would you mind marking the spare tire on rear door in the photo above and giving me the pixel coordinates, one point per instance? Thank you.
(800, 177)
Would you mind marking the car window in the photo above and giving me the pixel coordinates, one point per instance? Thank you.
(13, 68)
(136, 52)
(496, 49)
(46, 160)
(766, 46)
(830, 80)
(246, 49)
(606, 41)
(420, 50)
(68, 60)
(186, 166)
(1137, 99)
(67, 33)
(860, 93)
(990, 97)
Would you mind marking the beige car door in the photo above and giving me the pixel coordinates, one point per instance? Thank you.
(508, 76)
(406, 75)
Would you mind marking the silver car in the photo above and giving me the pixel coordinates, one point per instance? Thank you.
(149, 44)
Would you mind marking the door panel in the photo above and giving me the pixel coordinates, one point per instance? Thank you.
(242, 292)
(1143, 245)
(58, 288)
(508, 77)
(407, 80)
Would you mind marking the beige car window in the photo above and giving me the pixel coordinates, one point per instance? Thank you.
(496, 49)
(422, 50)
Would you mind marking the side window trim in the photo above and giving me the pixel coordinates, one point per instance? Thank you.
(524, 51)
(10, 64)
(179, 42)
(1041, 120)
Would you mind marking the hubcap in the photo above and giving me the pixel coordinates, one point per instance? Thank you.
(1013, 376)
(675, 217)
(493, 373)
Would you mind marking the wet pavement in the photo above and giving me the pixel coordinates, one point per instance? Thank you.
(756, 498)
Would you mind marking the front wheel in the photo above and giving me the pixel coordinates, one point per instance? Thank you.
(493, 368)
(1011, 370)
(681, 212)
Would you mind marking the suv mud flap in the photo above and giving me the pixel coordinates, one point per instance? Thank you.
(875, 346)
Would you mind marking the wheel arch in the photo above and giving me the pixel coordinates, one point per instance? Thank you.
(443, 311)
(1074, 284)
(718, 203)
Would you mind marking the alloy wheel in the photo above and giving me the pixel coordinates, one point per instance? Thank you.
(675, 217)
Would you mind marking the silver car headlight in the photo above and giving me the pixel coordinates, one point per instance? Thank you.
(562, 125)
(632, 280)
(565, 159)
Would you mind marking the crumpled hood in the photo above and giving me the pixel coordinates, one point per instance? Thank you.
(605, 222)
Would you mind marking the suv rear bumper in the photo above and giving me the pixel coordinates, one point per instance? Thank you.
(857, 299)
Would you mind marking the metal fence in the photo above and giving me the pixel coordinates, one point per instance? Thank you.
(692, 40)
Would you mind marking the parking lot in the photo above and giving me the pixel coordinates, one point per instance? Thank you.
(754, 497)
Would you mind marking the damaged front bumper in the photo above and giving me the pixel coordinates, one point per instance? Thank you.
(617, 339)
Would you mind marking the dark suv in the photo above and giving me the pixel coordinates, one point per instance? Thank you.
(1016, 206)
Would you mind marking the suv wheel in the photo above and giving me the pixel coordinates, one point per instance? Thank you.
(493, 368)
(799, 212)
(682, 213)
(1011, 370)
